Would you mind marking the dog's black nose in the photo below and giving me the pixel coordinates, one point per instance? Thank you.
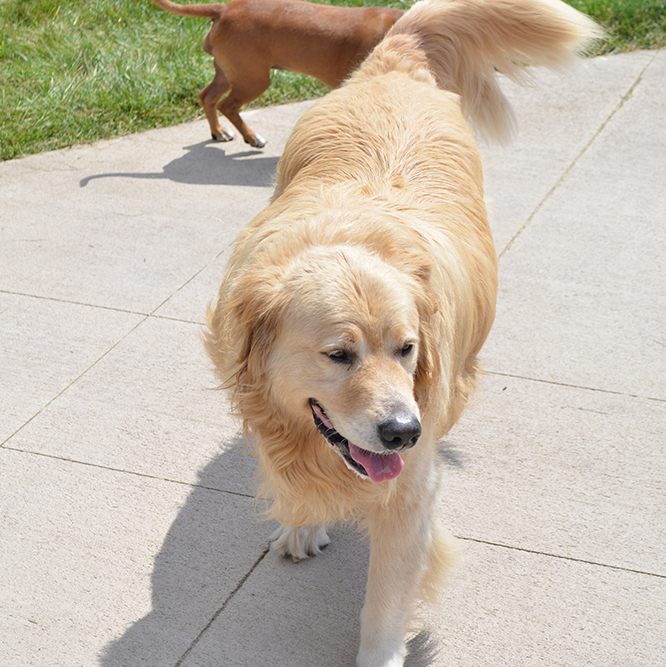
(400, 432)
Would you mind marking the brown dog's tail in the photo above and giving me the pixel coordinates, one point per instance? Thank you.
(466, 42)
(212, 11)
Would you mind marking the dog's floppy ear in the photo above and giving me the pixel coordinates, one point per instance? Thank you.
(242, 329)
(428, 365)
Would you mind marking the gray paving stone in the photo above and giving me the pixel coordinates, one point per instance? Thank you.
(44, 346)
(502, 607)
(506, 608)
(556, 118)
(104, 568)
(148, 407)
(127, 222)
(583, 290)
(560, 470)
(191, 302)
(275, 125)
(292, 614)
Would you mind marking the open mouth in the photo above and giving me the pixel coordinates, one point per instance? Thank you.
(377, 467)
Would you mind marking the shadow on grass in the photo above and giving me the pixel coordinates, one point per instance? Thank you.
(207, 163)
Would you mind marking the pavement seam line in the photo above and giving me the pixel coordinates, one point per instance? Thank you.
(228, 599)
(189, 280)
(575, 386)
(576, 159)
(573, 559)
(145, 318)
(73, 303)
(73, 382)
(101, 307)
(134, 473)
(177, 319)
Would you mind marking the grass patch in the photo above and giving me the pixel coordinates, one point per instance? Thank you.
(82, 70)
(631, 24)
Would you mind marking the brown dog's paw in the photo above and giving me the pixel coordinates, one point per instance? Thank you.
(226, 135)
(259, 142)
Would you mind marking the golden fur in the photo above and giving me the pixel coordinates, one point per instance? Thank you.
(369, 285)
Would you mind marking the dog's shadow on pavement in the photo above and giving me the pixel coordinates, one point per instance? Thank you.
(207, 163)
(219, 597)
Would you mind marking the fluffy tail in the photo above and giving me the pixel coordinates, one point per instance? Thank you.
(212, 11)
(467, 41)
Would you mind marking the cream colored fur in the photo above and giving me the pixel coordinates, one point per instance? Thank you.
(377, 246)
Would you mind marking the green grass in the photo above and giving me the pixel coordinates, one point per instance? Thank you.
(631, 24)
(75, 71)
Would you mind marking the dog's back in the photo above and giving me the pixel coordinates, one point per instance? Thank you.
(396, 131)
(464, 43)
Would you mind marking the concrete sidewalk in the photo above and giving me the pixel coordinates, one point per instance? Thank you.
(128, 531)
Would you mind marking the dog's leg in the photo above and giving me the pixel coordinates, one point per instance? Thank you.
(209, 98)
(242, 93)
(299, 543)
(404, 548)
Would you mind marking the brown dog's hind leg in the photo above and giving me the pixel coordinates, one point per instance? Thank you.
(209, 98)
(241, 94)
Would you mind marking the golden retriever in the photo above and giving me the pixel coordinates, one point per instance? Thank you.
(353, 309)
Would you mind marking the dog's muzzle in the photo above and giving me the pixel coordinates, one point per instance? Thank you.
(399, 433)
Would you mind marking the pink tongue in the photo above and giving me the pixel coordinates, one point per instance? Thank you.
(380, 467)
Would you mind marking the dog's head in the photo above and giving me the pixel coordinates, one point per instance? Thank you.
(340, 342)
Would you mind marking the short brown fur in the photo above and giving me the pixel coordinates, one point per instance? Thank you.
(248, 38)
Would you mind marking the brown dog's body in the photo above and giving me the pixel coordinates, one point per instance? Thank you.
(248, 38)
(353, 309)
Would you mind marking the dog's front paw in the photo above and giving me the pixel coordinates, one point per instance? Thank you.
(225, 135)
(299, 543)
(259, 141)
(383, 658)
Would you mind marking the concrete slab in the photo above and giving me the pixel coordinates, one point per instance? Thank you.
(583, 290)
(569, 472)
(556, 118)
(45, 346)
(291, 614)
(101, 567)
(126, 222)
(507, 607)
(148, 407)
(191, 301)
(127, 534)
(503, 607)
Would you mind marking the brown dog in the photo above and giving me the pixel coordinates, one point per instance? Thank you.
(248, 38)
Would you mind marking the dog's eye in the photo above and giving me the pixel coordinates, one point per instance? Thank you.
(340, 356)
(406, 349)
